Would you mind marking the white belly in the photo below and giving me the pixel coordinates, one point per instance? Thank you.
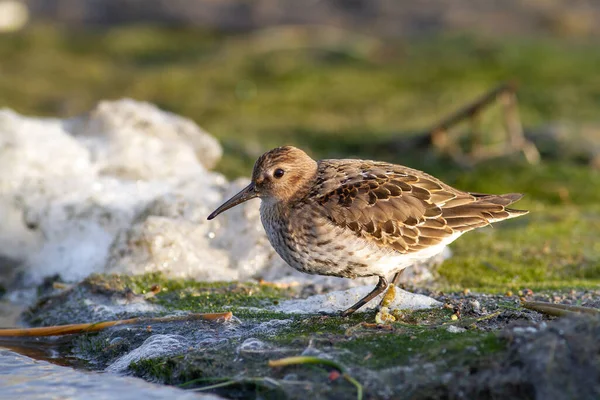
(386, 262)
(337, 251)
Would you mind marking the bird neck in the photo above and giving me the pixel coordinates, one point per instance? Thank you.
(302, 188)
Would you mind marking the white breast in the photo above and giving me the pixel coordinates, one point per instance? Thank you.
(338, 251)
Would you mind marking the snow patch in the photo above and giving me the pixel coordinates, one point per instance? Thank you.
(126, 189)
(341, 300)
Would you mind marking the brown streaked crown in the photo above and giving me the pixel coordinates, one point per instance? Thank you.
(283, 173)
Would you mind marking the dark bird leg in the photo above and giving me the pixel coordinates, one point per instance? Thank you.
(391, 293)
(396, 278)
(381, 286)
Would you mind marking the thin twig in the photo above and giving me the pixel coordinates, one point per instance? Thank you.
(203, 380)
(359, 388)
(558, 310)
(438, 135)
(284, 362)
(266, 382)
(98, 326)
(468, 321)
(473, 108)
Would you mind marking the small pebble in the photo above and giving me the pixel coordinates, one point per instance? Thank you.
(290, 377)
(155, 288)
(333, 375)
(455, 329)
(384, 316)
(475, 306)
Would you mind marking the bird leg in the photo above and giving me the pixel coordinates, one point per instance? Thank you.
(391, 292)
(396, 278)
(381, 286)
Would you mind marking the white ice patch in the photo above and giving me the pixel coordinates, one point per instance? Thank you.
(202, 339)
(253, 345)
(154, 346)
(103, 309)
(341, 300)
(122, 189)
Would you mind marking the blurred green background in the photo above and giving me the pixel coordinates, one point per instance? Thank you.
(339, 92)
(307, 86)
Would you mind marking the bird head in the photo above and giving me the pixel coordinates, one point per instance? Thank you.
(279, 175)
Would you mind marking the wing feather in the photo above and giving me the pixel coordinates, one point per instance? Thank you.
(401, 208)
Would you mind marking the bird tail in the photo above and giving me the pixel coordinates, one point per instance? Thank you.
(484, 210)
(503, 200)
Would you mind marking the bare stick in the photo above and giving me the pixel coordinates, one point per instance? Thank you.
(515, 141)
(473, 108)
(98, 326)
(558, 310)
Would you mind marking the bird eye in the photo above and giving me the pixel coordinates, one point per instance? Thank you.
(278, 173)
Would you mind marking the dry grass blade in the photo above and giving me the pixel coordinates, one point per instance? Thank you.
(266, 383)
(98, 326)
(299, 360)
(558, 310)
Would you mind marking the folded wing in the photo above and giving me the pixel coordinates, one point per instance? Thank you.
(401, 208)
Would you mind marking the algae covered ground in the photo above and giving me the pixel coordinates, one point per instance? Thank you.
(475, 346)
(346, 95)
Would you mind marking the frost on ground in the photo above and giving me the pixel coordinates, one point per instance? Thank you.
(126, 189)
(154, 346)
(341, 300)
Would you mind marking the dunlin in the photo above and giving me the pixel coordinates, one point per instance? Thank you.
(356, 218)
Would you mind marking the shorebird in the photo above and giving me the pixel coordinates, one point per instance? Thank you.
(356, 218)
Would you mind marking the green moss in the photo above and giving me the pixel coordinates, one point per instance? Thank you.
(358, 350)
(201, 369)
(385, 350)
(553, 247)
(156, 369)
(195, 296)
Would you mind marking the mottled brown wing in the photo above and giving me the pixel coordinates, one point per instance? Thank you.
(399, 207)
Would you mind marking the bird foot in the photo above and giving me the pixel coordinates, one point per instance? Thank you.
(388, 297)
(384, 316)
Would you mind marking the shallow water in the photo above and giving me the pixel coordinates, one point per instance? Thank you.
(37, 368)
(22, 377)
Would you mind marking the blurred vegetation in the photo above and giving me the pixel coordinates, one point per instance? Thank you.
(339, 94)
(316, 87)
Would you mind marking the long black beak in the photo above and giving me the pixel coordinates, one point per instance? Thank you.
(245, 194)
